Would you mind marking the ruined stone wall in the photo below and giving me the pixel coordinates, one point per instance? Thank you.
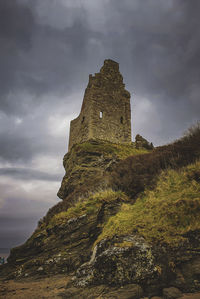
(80, 127)
(105, 112)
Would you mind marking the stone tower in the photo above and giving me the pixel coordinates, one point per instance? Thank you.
(105, 112)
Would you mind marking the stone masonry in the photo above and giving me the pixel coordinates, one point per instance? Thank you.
(105, 112)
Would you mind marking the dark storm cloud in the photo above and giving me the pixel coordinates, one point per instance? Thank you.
(163, 41)
(157, 44)
(36, 58)
(15, 148)
(16, 24)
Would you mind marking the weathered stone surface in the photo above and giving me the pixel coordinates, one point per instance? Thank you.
(119, 261)
(87, 166)
(191, 272)
(85, 169)
(105, 112)
(60, 248)
(171, 293)
(141, 142)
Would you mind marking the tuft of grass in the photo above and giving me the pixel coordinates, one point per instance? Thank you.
(165, 214)
(89, 205)
(121, 151)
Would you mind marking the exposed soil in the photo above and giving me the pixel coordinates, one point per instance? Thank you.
(191, 296)
(51, 287)
(48, 287)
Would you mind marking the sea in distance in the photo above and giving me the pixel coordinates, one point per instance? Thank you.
(4, 252)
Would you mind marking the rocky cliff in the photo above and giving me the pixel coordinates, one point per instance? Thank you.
(127, 226)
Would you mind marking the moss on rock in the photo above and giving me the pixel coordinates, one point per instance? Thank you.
(89, 205)
(88, 166)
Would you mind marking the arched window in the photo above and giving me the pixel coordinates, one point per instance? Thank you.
(101, 114)
(121, 120)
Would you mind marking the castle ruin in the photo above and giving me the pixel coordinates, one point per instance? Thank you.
(105, 112)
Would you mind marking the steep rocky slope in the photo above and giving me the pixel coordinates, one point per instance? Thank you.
(64, 237)
(129, 217)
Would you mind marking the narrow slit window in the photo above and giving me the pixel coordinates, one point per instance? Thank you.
(121, 120)
(83, 119)
(101, 114)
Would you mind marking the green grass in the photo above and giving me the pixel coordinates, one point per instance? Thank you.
(165, 214)
(122, 151)
(89, 205)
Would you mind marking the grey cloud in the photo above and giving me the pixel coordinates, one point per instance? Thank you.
(37, 58)
(24, 138)
(16, 24)
(19, 148)
(15, 148)
(163, 44)
(28, 174)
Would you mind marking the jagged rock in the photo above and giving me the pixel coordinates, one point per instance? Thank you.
(141, 142)
(119, 261)
(62, 247)
(85, 167)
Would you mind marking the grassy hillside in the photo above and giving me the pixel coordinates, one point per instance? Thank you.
(135, 173)
(89, 205)
(120, 151)
(88, 166)
(141, 208)
(165, 214)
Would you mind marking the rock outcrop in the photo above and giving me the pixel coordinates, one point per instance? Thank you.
(62, 242)
(111, 244)
(141, 142)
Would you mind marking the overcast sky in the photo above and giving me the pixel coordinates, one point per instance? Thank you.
(48, 48)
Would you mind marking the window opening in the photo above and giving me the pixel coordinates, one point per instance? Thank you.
(101, 114)
(121, 120)
(83, 119)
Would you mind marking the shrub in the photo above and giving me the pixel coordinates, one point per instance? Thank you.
(135, 173)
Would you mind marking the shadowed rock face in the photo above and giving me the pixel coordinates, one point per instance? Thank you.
(86, 167)
(105, 112)
(61, 247)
